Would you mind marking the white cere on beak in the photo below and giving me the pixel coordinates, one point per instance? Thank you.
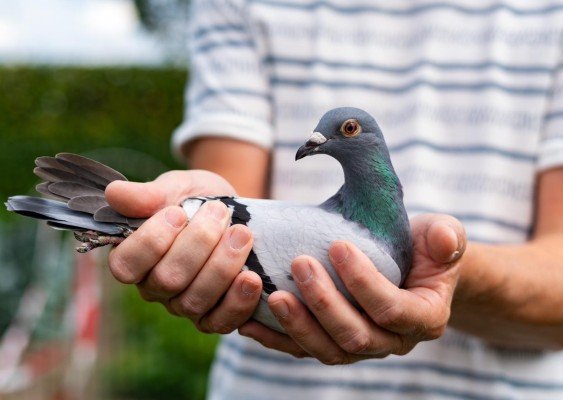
(317, 138)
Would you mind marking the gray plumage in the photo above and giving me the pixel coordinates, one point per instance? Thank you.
(58, 212)
(367, 210)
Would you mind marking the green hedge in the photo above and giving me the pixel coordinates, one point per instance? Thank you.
(45, 111)
(124, 117)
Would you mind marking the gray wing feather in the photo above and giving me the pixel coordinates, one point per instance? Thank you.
(90, 169)
(135, 223)
(50, 162)
(58, 175)
(107, 214)
(43, 188)
(89, 204)
(69, 190)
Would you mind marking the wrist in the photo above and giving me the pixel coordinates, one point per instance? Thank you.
(479, 282)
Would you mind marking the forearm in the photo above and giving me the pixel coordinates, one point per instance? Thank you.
(512, 295)
(243, 164)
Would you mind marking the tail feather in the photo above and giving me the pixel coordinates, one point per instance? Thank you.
(80, 183)
(58, 213)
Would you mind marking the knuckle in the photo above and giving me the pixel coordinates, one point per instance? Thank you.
(391, 315)
(358, 282)
(159, 244)
(334, 359)
(166, 281)
(147, 241)
(204, 326)
(405, 346)
(300, 354)
(381, 354)
(148, 296)
(321, 303)
(435, 333)
(300, 335)
(207, 235)
(224, 272)
(219, 327)
(189, 307)
(170, 309)
(120, 269)
(356, 343)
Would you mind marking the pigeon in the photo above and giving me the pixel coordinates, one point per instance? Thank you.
(367, 210)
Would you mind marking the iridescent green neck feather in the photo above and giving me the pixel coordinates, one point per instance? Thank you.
(373, 197)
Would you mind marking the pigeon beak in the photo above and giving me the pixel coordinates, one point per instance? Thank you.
(311, 146)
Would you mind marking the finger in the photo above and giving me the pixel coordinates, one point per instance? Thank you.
(419, 314)
(444, 237)
(342, 321)
(272, 339)
(142, 200)
(237, 307)
(218, 273)
(136, 256)
(302, 327)
(134, 199)
(187, 255)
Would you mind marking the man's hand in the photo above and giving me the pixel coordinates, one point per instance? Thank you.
(193, 269)
(393, 320)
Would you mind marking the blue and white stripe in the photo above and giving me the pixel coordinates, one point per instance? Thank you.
(469, 96)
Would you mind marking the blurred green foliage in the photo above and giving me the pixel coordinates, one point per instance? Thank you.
(124, 117)
(163, 357)
(44, 111)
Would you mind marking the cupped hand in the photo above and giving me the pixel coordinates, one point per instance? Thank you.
(391, 321)
(193, 269)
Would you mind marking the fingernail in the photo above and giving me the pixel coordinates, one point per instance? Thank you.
(339, 252)
(248, 287)
(216, 210)
(238, 238)
(280, 309)
(302, 270)
(175, 217)
(453, 257)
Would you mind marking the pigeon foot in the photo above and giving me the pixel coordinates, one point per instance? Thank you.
(92, 239)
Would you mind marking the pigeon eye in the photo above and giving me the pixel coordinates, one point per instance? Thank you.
(350, 128)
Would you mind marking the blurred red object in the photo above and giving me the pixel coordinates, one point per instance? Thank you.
(54, 369)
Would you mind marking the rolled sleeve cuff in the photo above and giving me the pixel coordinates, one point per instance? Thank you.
(550, 154)
(223, 125)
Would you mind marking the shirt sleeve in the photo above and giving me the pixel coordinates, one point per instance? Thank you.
(228, 93)
(550, 151)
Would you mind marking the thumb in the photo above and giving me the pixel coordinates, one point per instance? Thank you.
(443, 237)
(134, 199)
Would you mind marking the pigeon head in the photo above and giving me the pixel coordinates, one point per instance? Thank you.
(372, 194)
(344, 133)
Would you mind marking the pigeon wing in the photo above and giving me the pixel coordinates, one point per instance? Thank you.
(80, 183)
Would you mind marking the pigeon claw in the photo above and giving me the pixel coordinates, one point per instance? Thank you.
(92, 240)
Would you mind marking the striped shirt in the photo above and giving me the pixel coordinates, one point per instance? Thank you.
(469, 95)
